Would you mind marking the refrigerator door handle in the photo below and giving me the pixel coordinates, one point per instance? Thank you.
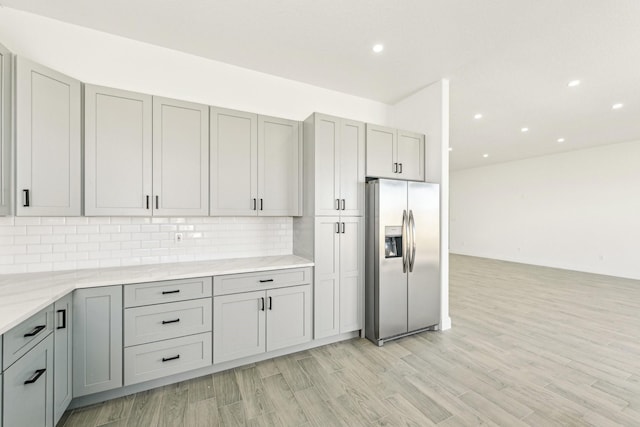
(404, 241)
(412, 225)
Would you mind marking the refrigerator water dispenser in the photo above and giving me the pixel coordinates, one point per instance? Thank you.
(393, 241)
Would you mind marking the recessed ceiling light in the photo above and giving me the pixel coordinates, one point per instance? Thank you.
(617, 106)
(560, 139)
(524, 130)
(574, 83)
(477, 116)
(377, 48)
(485, 155)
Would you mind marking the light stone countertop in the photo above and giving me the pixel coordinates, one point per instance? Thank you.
(23, 295)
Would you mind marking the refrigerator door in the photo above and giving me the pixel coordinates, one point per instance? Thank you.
(391, 292)
(424, 278)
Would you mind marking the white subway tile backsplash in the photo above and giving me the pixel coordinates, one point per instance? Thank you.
(59, 243)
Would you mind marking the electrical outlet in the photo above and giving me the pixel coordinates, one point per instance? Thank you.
(179, 237)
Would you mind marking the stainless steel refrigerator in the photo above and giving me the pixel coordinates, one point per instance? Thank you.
(402, 258)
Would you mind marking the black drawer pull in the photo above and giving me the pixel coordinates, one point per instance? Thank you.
(37, 374)
(266, 280)
(177, 291)
(164, 322)
(25, 202)
(64, 319)
(166, 359)
(35, 331)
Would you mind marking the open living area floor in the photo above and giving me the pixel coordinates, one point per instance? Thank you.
(529, 345)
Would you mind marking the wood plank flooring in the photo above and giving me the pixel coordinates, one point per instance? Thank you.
(529, 346)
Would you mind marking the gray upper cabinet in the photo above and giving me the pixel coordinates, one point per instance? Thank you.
(180, 158)
(255, 165)
(411, 155)
(118, 152)
(5, 131)
(234, 162)
(393, 153)
(279, 159)
(48, 149)
(334, 161)
(62, 351)
(97, 340)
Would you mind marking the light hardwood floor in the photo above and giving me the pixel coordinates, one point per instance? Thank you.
(529, 346)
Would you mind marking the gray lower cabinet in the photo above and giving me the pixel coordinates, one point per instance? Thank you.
(62, 356)
(97, 340)
(5, 131)
(251, 323)
(28, 385)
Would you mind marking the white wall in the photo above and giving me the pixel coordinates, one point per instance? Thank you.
(427, 111)
(578, 210)
(43, 244)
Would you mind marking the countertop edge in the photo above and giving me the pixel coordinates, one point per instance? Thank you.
(47, 288)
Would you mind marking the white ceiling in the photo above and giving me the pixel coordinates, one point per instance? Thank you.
(510, 60)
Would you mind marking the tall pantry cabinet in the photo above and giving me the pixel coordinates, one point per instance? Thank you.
(331, 232)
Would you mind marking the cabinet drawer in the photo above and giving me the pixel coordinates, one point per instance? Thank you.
(26, 335)
(167, 291)
(164, 321)
(160, 359)
(28, 386)
(235, 283)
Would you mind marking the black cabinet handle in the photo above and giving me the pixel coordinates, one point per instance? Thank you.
(157, 202)
(337, 204)
(35, 331)
(400, 170)
(147, 201)
(337, 228)
(262, 304)
(166, 359)
(36, 375)
(344, 204)
(270, 303)
(25, 201)
(166, 322)
(261, 204)
(395, 168)
(266, 280)
(343, 228)
(171, 292)
(64, 319)
(254, 204)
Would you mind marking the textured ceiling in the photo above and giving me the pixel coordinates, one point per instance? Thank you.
(510, 60)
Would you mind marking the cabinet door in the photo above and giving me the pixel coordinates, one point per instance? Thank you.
(410, 155)
(381, 152)
(97, 340)
(327, 165)
(5, 131)
(28, 388)
(180, 158)
(326, 295)
(63, 350)
(288, 316)
(351, 274)
(279, 158)
(352, 168)
(48, 159)
(234, 160)
(117, 152)
(238, 325)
